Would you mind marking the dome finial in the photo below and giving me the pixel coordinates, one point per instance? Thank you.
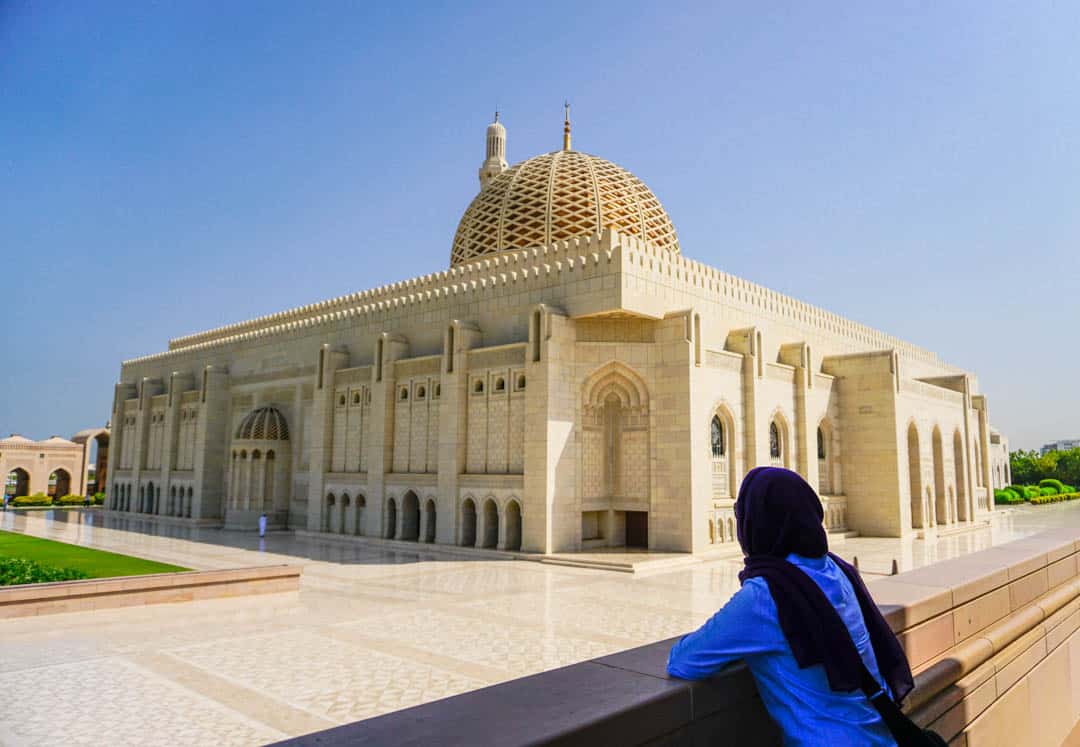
(566, 126)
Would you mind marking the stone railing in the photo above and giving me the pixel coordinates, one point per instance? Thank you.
(992, 638)
(835, 508)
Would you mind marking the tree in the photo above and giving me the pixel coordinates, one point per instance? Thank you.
(1068, 467)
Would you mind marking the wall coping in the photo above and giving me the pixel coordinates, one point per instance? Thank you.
(980, 611)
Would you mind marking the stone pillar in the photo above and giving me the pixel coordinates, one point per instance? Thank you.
(211, 441)
(380, 445)
(744, 342)
(458, 338)
(121, 393)
(148, 387)
(550, 440)
(796, 355)
(319, 447)
(982, 443)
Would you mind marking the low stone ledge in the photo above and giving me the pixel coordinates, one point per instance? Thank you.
(123, 591)
(994, 640)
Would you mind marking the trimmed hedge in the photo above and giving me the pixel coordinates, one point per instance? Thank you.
(99, 499)
(1056, 498)
(37, 499)
(1057, 485)
(1007, 497)
(71, 500)
(22, 571)
(1048, 491)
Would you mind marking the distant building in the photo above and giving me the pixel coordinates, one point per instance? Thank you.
(55, 466)
(1063, 445)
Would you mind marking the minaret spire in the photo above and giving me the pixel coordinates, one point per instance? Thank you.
(494, 152)
(566, 126)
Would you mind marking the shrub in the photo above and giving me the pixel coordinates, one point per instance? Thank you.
(1048, 491)
(71, 500)
(1024, 491)
(22, 571)
(99, 499)
(1067, 489)
(37, 499)
(1050, 482)
(1044, 499)
(1006, 497)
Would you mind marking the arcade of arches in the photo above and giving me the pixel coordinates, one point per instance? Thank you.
(571, 382)
(55, 466)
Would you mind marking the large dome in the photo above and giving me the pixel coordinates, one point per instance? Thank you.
(559, 196)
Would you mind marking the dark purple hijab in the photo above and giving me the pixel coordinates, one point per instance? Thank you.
(777, 514)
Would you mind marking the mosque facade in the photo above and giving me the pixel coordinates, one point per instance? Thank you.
(571, 382)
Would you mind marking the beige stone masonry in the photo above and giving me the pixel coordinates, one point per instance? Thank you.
(993, 640)
(125, 591)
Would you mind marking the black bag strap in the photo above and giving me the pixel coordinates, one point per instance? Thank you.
(905, 731)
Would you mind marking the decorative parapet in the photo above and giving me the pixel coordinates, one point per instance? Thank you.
(541, 267)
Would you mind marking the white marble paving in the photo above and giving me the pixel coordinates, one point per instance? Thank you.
(371, 630)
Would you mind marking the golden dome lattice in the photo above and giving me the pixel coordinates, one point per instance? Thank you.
(558, 196)
(263, 424)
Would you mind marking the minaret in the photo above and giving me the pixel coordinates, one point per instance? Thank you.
(566, 127)
(495, 159)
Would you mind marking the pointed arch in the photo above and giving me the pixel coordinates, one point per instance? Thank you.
(722, 451)
(619, 379)
(827, 482)
(918, 519)
(941, 505)
(960, 472)
(779, 439)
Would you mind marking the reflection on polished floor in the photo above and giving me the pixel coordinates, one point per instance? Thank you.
(372, 630)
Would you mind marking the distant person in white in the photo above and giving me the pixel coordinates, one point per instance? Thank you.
(262, 525)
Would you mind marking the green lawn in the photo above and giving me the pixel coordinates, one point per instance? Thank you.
(94, 563)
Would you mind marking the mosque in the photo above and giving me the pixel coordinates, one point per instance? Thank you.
(571, 382)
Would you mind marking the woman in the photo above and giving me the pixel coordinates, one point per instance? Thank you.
(803, 622)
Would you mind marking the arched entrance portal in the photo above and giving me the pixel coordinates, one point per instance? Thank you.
(390, 525)
(961, 483)
(410, 519)
(942, 514)
(59, 483)
(361, 504)
(918, 520)
(17, 483)
(468, 523)
(429, 521)
(491, 524)
(513, 526)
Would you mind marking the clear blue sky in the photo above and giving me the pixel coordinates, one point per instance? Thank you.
(169, 167)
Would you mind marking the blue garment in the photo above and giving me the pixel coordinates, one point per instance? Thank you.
(799, 700)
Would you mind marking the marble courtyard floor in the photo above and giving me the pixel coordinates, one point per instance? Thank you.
(372, 630)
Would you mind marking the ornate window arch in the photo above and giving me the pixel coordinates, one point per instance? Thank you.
(717, 438)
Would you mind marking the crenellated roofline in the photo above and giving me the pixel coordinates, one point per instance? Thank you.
(537, 268)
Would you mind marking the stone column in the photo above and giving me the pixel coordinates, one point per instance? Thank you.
(320, 448)
(380, 445)
(148, 387)
(211, 441)
(744, 342)
(550, 441)
(796, 355)
(458, 338)
(121, 393)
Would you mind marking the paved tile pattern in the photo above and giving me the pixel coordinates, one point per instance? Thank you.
(112, 701)
(371, 630)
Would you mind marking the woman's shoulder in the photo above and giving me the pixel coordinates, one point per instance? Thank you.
(756, 596)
